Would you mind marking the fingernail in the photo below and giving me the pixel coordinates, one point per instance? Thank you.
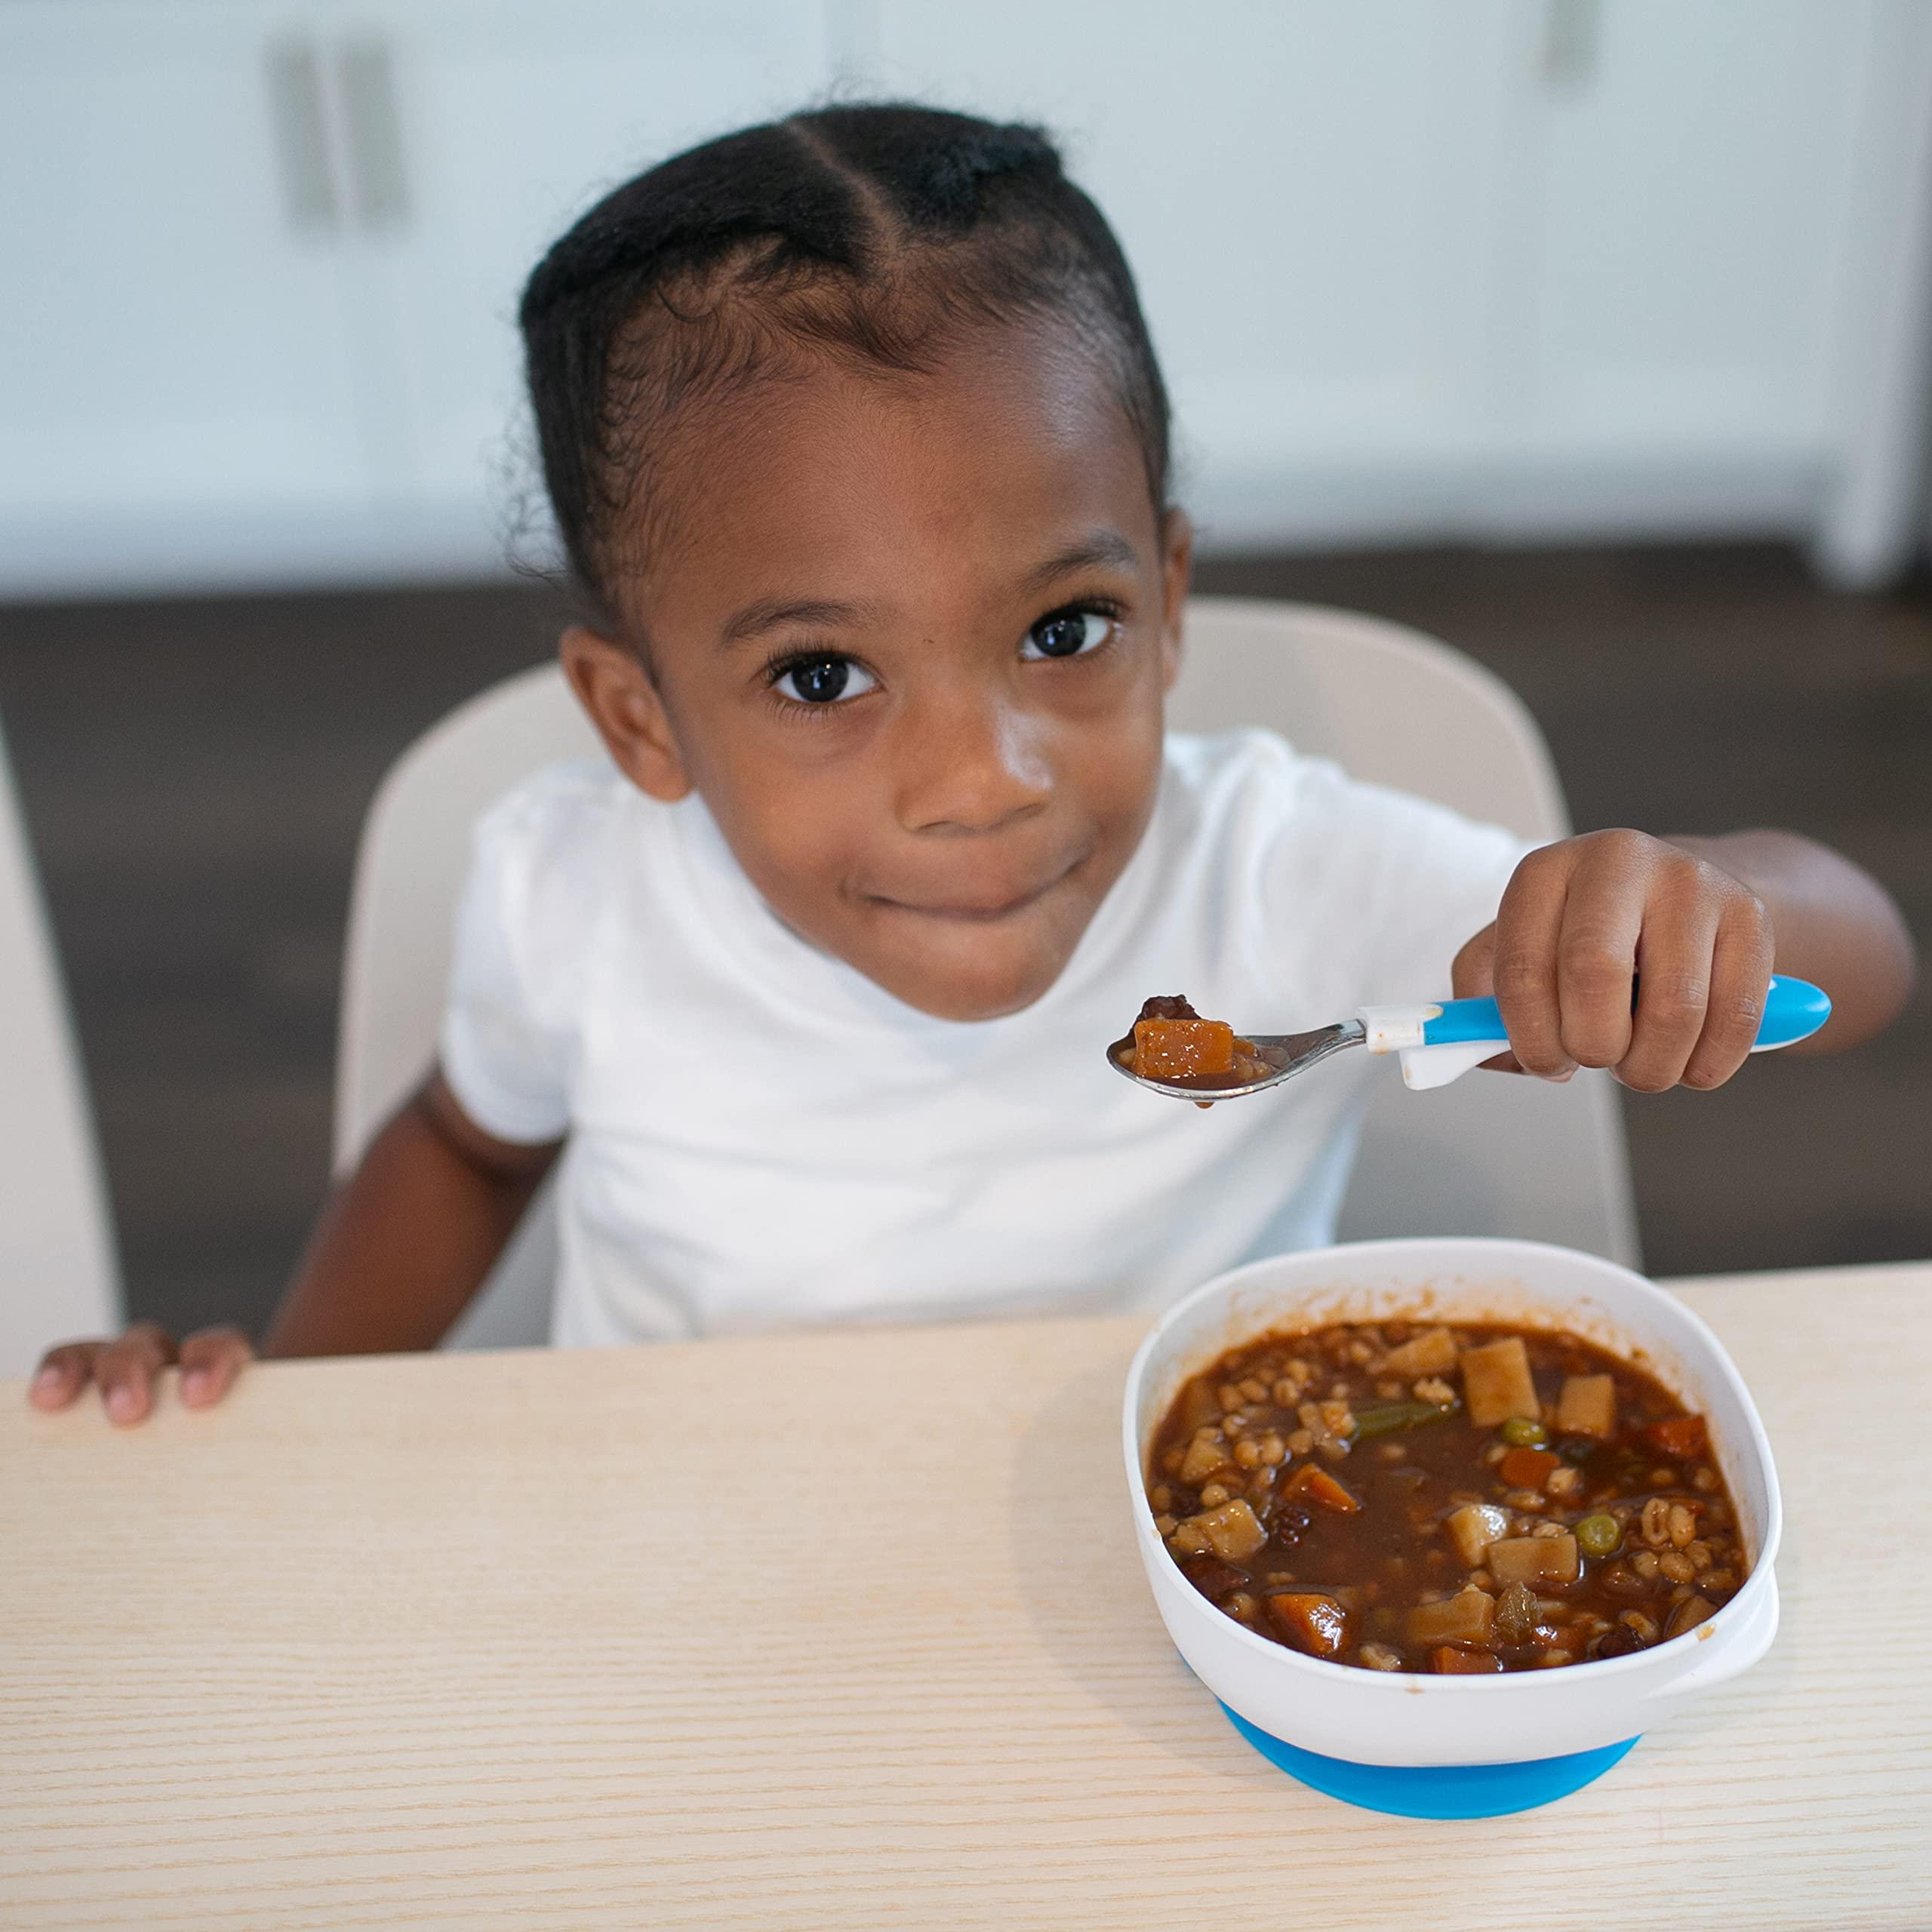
(194, 1384)
(47, 1380)
(121, 1404)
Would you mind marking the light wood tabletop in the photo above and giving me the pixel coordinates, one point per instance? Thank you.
(848, 1630)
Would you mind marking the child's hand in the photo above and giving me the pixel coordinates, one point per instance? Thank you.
(125, 1370)
(1584, 920)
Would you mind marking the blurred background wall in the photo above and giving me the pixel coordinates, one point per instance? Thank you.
(1592, 335)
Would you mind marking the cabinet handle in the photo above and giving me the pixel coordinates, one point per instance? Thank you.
(1572, 32)
(367, 74)
(301, 137)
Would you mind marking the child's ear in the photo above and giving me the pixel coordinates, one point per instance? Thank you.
(616, 690)
(1176, 567)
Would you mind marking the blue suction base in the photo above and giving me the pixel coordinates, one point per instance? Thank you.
(1445, 1791)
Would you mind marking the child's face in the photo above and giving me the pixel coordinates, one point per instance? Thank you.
(909, 638)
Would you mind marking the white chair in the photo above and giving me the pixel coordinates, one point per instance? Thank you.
(58, 1278)
(1488, 1156)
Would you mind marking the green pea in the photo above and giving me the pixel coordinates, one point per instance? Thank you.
(1519, 1432)
(1598, 1536)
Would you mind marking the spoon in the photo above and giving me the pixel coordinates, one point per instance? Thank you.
(1439, 1042)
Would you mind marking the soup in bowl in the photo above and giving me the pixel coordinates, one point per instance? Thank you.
(1449, 1503)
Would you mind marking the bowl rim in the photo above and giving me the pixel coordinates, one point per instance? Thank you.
(1502, 1683)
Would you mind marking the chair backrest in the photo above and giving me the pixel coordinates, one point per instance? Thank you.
(58, 1277)
(1485, 1156)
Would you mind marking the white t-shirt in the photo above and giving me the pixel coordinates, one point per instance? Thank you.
(760, 1138)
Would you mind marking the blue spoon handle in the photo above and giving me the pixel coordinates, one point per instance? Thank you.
(1794, 1010)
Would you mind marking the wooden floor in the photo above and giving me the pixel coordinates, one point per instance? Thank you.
(194, 773)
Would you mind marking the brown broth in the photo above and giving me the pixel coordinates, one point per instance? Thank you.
(1341, 1504)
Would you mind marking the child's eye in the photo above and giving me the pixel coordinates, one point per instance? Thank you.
(1067, 634)
(822, 681)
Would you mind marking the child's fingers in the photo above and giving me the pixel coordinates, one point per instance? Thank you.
(126, 1370)
(1528, 924)
(1673, 997)
(211, 1360)
(1740, 977)
(62, 1373)
(1472, 974)
(1596, 951)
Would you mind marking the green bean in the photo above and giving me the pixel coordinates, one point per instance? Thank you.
(1520, 1432)
(1598, 1535)
(1386, 1419)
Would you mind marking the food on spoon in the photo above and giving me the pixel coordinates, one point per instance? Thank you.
(1325, 1491)
(1171, 1043)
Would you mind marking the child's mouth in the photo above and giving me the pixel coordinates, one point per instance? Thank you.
(977, 911)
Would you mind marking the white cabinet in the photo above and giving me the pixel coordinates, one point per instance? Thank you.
(268, 259)
(512, 120)
(1511, 265)
(1416, 269)
(1307, 193)
(174, 350)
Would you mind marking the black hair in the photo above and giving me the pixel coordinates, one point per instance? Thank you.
(870, 232)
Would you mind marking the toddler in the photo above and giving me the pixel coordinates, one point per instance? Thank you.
(859, 450)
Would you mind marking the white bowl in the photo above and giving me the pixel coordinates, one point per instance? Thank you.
(1400, 1718)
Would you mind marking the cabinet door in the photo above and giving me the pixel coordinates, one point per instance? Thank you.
(174, 353)
(1306, 190)
(1687, 186)
(510, 120)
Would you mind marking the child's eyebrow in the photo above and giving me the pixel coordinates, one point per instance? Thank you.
(769, 613)
(1099, 546)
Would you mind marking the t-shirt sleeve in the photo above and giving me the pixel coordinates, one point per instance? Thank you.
(503, 1054)
(1375, 890)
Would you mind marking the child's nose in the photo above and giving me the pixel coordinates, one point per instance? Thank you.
(970, 765)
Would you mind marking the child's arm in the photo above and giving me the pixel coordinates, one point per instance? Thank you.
(401, 1248)
(1698, 922)
(405, 1242)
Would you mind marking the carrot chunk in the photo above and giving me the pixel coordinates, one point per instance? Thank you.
(1527, 1469)
(1313, 1484)
(1311, 1622)
(1181, 1049)
(1447, 1661)
(1679, 1435)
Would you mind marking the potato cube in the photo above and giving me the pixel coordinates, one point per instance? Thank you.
(1464, 1618)
(1496, 1383)
(1540, 1562)
(1431, 1353)
(1205, 1454)
(1474, 1527)
(1691, 1612)
(1180, 1049)
(1587, 1406)
(1311, 1621)
(1233, 1531)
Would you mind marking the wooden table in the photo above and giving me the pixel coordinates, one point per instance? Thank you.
(848, 1630)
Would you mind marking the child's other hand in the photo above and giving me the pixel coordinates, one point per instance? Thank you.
(125, 1370)
(1582, 921)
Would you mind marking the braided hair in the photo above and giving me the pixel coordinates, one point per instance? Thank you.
(872, 234)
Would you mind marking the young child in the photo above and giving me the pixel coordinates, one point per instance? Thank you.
(859, 449)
